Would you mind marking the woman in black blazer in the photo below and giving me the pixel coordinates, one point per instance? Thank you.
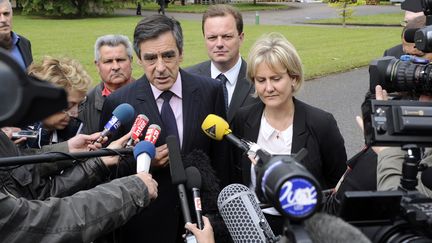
(282, 124)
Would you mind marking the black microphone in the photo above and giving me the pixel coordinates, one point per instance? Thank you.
(178, 176)
(194, 184)
(243, 216)
(426, 178)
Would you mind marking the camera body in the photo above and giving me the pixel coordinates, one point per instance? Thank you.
(397, 122)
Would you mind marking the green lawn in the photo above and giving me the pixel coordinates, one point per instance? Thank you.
(379, 19)
(323, 50)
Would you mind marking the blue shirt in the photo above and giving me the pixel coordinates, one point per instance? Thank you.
(15, 51)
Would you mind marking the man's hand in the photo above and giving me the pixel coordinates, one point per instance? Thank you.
(117, 144)
(83, 143)
(161, 157)
(150, 183)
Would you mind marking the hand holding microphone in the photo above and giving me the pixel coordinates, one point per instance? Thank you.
(122, 114)
(145, 150)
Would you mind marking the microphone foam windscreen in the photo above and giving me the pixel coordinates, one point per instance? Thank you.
(214, 126)
(144, 147)
(426, 178)
(193, 178)
(242, 214)
(124, 112)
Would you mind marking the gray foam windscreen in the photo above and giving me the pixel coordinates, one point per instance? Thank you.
(242, 215)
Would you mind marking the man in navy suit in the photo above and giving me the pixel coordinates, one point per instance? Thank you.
(222, 27)
(158, 43)
(18, 46)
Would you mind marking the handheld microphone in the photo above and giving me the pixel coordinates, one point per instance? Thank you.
(194, 184)
(144, 152)
(217, 128)
(152, 134)
(178, 176)
(243, 216)
(140, 123)
(122, 114)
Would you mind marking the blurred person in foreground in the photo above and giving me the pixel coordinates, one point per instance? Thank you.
(282, 124)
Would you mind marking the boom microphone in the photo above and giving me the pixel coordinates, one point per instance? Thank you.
(217, 128)
(243, 216)
(144, 152)
(123, 113)
(325, 228)
(137, 128)
(194, 184)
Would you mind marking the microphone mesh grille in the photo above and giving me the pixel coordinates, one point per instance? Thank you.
(242, 214)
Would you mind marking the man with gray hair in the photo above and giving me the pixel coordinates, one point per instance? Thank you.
(113, 60)
(17, 46)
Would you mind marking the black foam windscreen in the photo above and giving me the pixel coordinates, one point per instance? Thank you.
(178, 175)
(193, 178)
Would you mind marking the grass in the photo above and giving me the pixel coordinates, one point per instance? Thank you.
(200, 8)
(323, 50)
(379, 19)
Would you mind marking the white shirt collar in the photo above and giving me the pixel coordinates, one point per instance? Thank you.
(231, 74)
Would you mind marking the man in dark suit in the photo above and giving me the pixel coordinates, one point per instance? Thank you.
(18, 46)
(158, 43)
(222, 27)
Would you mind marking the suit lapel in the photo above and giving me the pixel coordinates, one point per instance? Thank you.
(241, 92)
(146, 103)
(190, 102)
(299, 127)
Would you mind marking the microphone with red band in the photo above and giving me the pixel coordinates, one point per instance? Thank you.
(145, 150)
(194, 184)
(137, 129)
(122, 114)
(152, 134)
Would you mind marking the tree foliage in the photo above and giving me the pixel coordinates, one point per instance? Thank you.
(73, 8)
(345, 8)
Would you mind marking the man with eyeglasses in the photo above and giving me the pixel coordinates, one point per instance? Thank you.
(178, 102)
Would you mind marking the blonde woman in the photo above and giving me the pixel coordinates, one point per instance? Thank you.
(282, 124)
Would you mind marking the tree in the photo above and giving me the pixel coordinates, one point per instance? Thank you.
(73, 8)
(345, 8)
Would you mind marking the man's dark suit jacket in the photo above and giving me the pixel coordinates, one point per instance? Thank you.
(395, 51)
(24, 46)
(201, 96)
(242, 92)
(313, 129)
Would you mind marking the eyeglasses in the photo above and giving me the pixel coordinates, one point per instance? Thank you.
(74, 109)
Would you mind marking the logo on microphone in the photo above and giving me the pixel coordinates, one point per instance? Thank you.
(211, 131)
(112, 124)
(298, 197)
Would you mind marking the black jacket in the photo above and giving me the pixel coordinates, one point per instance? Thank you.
(243, 91)
(313, 129)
